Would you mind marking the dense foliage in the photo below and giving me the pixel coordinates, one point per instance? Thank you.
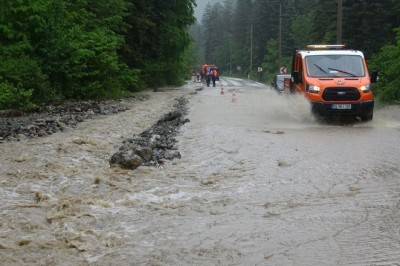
(157, 39)
(247, 34)
(387, 61)
(81, 49)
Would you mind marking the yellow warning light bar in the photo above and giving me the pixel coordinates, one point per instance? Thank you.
(326, 46)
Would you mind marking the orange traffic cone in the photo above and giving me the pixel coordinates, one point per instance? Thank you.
(222, 90)
(234, 99)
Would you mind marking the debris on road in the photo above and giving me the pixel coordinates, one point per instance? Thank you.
(154, 145)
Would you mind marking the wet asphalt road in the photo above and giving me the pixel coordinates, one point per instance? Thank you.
(287, 190)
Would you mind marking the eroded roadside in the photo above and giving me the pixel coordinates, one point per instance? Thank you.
(57, 190)
(19, 125)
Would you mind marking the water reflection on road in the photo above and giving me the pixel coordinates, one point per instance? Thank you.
(260, 182)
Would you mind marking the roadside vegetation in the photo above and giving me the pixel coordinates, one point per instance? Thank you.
(53, 50)
(240, 36)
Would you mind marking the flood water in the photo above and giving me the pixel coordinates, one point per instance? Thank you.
(260, 182)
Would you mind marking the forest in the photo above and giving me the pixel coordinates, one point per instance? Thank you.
(56, 50)
(243, 36)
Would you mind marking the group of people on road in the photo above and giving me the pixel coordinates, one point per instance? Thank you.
(209, 73)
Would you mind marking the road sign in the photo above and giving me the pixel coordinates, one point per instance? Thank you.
(260, 69)
(238, 68)
(283, 70)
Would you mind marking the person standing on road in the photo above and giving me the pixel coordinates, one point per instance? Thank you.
(214, 74)
(208, 77)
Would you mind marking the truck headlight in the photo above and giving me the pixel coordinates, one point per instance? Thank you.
(366, 88)
(313, 88)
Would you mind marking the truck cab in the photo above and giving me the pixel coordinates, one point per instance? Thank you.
(335, 80)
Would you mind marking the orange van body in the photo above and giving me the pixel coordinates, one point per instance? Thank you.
(334, 80)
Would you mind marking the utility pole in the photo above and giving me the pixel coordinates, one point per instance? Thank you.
(280, 32)
(251, 50)
(230, 55)
(339, 24)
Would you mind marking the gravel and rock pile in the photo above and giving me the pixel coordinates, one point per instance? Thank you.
(151, 147)
(155, 145)
(16, 125)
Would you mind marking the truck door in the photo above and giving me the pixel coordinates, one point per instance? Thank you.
(297, 74)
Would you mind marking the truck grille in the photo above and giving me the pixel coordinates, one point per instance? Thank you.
(341, 94)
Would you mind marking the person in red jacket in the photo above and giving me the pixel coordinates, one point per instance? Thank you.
(214, 75)
(203, 72)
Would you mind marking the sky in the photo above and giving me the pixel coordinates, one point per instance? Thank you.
(201, 5)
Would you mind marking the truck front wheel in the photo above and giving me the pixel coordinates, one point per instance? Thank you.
(367, 118)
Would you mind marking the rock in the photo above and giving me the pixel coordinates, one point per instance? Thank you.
(171, 116)
(126, 160)
(145, 153)
(156, 143)
(79, 119)
(22, 137)
(133, 162)
(42, 133)
(14, 126)
(171, 154)
(153, 140)
(60, 124)
(53, 118)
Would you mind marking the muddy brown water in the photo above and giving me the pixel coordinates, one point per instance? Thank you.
(259, 183)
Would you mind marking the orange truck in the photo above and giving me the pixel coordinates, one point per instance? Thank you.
(335, 80)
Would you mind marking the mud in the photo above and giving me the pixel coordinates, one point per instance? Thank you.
(259, 182)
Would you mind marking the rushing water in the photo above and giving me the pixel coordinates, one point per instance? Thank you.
(259, 183)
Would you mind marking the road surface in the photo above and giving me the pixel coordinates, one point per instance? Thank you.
(259, 183)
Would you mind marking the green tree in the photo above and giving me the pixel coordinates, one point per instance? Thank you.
(324, 22)
(157, 38)
(242, 19)
(198, 44)
(366, 25)
(301, 31)
(387, 62)
(217, 25)
(264, 13)
(271, 64)
(59, 48)
(215, 35)
(21, 22)
(85, 62)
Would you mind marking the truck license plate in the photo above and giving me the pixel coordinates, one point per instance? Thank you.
(341, 106)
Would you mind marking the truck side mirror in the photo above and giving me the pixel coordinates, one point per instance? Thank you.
(374, 77)
(296, 77)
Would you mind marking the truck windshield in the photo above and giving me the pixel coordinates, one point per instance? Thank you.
(335, 66)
